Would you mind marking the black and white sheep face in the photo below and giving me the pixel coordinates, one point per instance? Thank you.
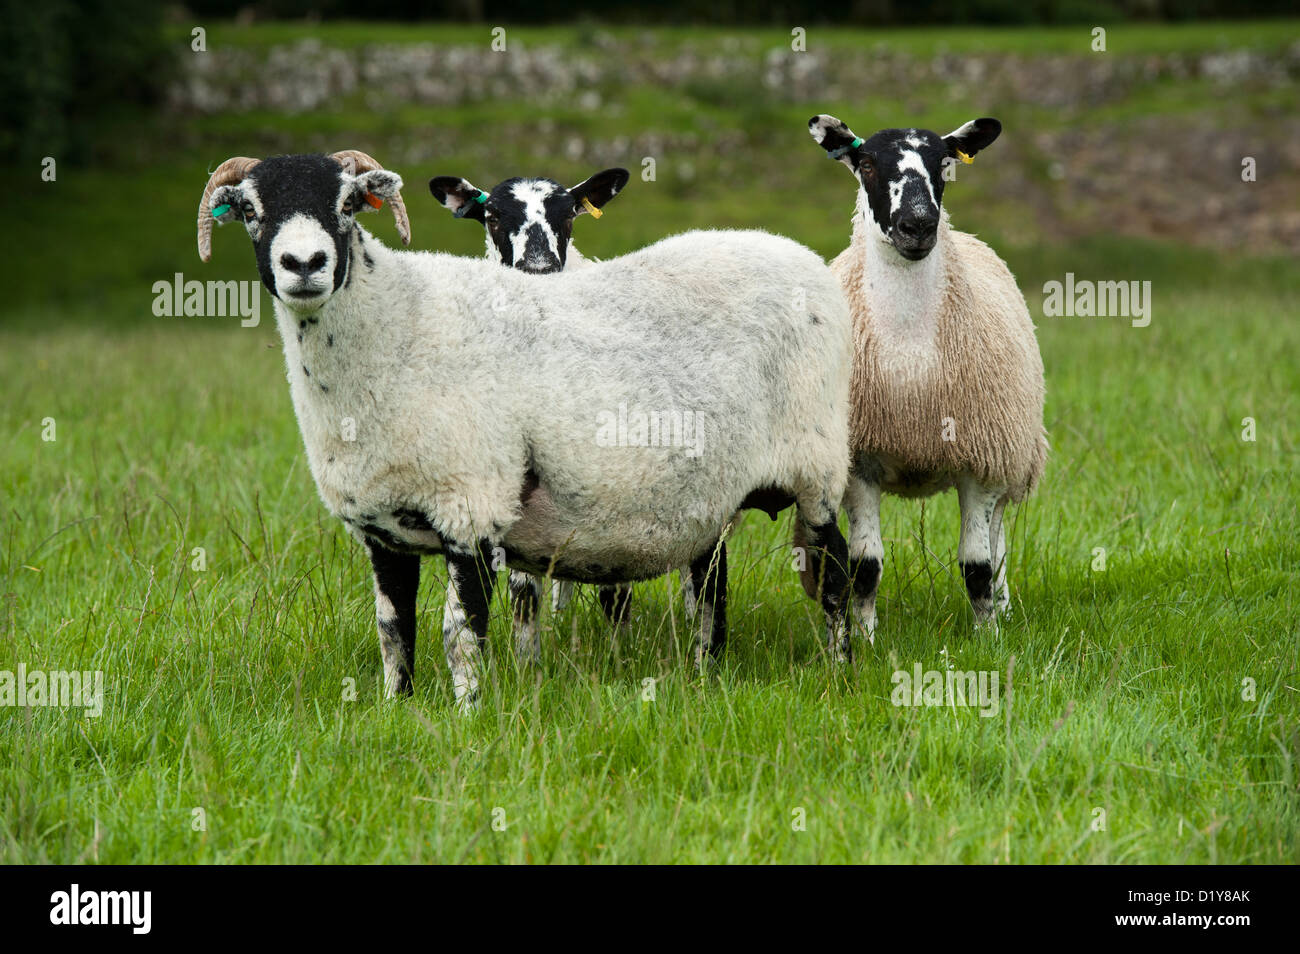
(900, 172)
(300, 212)
(529, 222)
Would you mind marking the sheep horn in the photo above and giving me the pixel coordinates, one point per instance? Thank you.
(228, 173)
(355, 162)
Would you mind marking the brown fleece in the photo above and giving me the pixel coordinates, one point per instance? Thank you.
(988, 379)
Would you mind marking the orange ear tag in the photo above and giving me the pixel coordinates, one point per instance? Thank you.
(374, 201)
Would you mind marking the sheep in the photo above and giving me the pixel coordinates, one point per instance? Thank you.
(447, 404)
(947, 385)
(528, 224)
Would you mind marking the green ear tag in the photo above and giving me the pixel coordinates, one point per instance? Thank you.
(841, 151)
(221, 210)
(480, 199)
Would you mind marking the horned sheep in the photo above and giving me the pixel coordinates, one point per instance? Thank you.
(436, 423)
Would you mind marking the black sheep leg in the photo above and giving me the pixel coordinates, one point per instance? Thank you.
(709, 578)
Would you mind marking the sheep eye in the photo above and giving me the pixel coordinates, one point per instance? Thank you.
(347, 207)
(249, 214)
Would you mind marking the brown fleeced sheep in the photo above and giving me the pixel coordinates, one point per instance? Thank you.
(947, 386)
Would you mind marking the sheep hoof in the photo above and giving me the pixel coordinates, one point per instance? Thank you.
(706, 662)
(865, 629)
(838, 643)
(561, 593)
(397, 685)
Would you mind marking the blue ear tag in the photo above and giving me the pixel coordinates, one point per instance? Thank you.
(481, 199)
(221, 210)
(843, 151)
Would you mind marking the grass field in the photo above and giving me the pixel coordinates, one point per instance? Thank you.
(1148, 712)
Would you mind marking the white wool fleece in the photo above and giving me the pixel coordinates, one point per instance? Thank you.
(455, 377)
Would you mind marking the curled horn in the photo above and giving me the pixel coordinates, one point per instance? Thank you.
(228, 173)
(354, 163)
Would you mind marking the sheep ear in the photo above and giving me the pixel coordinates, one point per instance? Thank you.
(459, 195)
(839, 141)
(599, 189)
(225, 203)
(380, 183)
(972, 137)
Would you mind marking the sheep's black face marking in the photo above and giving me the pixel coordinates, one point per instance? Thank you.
(901, 171)
(300, 212)
(303, 228)
(901, 174)
(529, 222)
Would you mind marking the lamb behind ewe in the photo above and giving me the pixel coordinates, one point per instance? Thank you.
(528, 224)
(947, 385)
(452, 406)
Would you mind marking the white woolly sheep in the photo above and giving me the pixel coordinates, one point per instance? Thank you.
(947, 385)
(436, 423)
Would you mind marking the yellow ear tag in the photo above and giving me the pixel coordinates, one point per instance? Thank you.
(964, 158)
(595, 212)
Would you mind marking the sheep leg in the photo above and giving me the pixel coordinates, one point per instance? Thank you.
(525, 598)
(827, 573)
(974, 549)
(688, 591)
(397, 582)
(709, 578)
(616, 602)
(866, 551)
(465, 618)
(998, 547)
(561, 593)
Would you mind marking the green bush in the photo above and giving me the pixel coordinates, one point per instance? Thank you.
(69, 68)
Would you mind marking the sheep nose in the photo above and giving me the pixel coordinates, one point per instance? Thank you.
(915, 227)
(299, 267)
(539, 265)
(537, 257)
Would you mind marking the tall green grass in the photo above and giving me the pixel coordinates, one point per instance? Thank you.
(225, 688)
